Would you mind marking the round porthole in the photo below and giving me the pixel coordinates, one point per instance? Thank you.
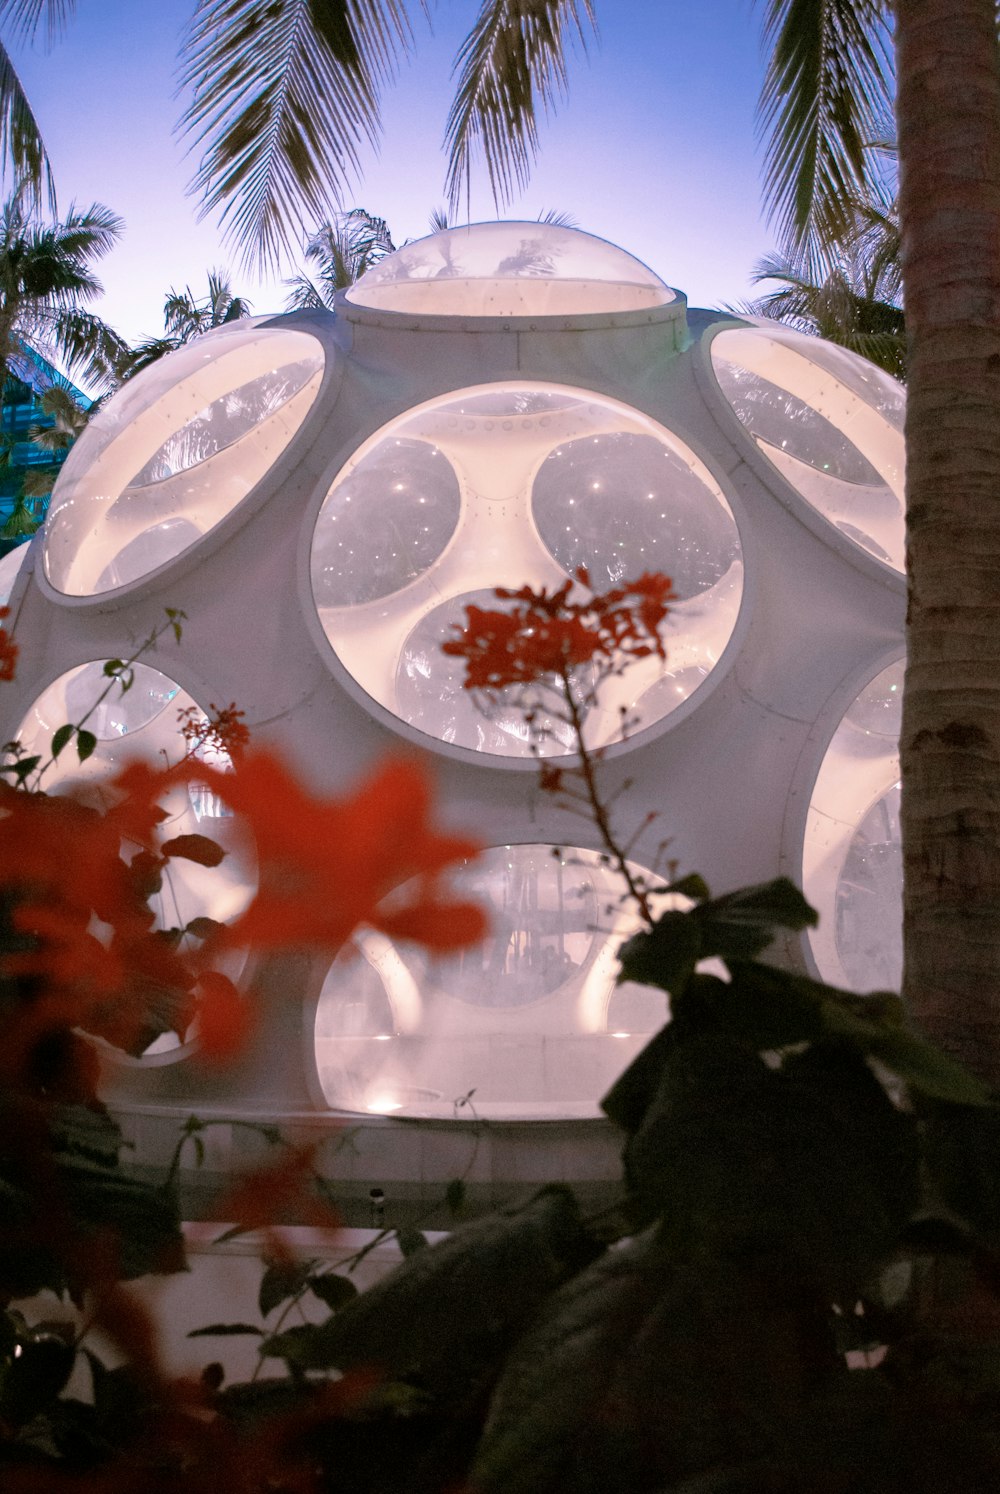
(174, 452)
(830, 422)
(527, 1024)
(852, 869)
(143, 722)
(515, 485)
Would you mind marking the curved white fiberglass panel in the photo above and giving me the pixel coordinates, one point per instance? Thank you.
(10, 569)
(174, 452)
(143, 723)
(510, 269)
(829, 421)
(512, 485)
(852, 866)
(528, 1024)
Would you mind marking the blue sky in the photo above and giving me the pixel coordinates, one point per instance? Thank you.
(654, 150)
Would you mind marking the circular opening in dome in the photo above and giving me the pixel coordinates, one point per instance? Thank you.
(852, 869)
(174, 452)
(144, 723)
(509, 486)
(528, 1024)
(510, 269)
(829, 421)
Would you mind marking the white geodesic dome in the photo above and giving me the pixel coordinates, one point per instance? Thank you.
(322, 494)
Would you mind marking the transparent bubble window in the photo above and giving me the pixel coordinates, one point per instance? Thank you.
(830, 422)
(174, 452)
(852, 868)
(529, 1023)
(510, 269)
(505, 486)
(143, 723)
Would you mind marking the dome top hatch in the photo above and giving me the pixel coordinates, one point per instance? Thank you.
(510, 269)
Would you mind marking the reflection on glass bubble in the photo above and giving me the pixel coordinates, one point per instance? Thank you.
(869, 899)
(223, 422)
(175, 451)
(624, 503)
(516, 485)
(141, 724)
(789, 424)
(510, 269)
(852, 858)
(430, 693)
(529, 1023)
(831, 424)
(384, 523)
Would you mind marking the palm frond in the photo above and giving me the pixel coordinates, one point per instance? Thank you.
(21, 520)
(305, 295)
(26, 17)
(145, 353)
(20, 138)
(88, 346)
(439, 220)
(826, 95)
(513, 59)
(284, 94)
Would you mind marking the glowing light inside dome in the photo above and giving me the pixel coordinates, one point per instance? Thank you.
(142, 723)
(829, 422)
(510, 269)
(532, 1020)
(852, 868)
(174, 452)
(496, 487)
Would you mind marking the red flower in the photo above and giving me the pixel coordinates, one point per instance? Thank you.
(8, 650)
(546, 635)
(327, 865)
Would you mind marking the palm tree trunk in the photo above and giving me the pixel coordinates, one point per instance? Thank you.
(948, 109)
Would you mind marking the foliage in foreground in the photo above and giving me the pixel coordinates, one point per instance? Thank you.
(797, 1289)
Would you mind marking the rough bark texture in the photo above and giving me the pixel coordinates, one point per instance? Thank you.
(949, 148)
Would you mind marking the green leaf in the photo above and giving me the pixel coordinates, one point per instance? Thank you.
(926, 1069)
(61, 737)
(333, 1290)
(25, 766)
(300, 1345)
(448, 1313)
(113, 667)
(692, 886)
(410, 1241)
(665, 955)
(85, 743)
(630, 1097)
(741, 924)
(281, 1281)
(198, 848)
(226, 1330)
(810, 1164)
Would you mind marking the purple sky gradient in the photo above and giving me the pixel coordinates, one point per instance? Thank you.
(655, 149)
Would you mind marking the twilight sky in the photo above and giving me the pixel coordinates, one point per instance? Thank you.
(655, 149)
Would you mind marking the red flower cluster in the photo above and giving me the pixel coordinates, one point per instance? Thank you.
(8, 650)
(221, 731)
(327, 865)
(548, 635)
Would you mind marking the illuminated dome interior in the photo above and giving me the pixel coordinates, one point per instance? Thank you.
(174, 452)
(852, 869)
(829, 421)
(529, 1023)
(504, 486)
(510, 269)
(142, 723)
